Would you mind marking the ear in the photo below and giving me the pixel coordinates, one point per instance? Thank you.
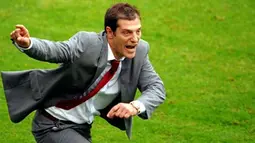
(109, 32)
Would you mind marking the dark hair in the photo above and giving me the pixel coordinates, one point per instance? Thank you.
(120, 11)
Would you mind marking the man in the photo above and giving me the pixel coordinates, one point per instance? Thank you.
(99, 75)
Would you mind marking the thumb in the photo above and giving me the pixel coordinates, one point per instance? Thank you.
(23, 42)
(21, 39)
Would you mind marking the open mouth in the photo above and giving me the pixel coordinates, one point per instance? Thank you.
(130, 47)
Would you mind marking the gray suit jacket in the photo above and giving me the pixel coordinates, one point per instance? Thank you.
(83, 58)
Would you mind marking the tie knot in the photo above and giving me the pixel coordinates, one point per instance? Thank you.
(115, 65)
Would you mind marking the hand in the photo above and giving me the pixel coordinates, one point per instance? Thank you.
(122, 110)
(21, 36)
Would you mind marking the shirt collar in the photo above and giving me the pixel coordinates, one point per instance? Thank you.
(110, 54)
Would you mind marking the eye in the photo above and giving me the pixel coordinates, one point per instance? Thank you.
(125, 32)
(138, 32)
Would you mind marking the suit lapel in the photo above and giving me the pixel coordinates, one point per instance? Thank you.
(125, 97)
(124, 79)
(102, 61)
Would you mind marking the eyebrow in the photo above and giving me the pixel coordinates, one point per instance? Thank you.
(129, 30)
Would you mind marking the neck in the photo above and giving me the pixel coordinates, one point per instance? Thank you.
(116, 55)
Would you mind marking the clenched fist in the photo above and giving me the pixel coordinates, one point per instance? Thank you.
(21, 36)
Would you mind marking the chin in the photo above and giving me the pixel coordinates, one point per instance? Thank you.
(130, 56)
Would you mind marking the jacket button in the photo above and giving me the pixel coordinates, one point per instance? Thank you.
(55, 128)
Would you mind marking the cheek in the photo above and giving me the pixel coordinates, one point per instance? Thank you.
(124, 40)
(121, 42)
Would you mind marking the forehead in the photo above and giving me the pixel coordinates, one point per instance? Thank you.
(124, 24)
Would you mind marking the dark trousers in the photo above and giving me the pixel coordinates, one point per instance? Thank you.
(48, 130)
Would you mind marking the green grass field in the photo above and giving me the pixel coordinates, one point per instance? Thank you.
(204, 51)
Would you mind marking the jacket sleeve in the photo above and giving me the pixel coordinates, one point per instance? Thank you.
(59, 52)
(151, 87)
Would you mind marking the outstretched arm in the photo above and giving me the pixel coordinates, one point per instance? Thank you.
(45, 50)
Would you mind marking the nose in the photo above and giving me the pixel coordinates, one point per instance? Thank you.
(135, 38)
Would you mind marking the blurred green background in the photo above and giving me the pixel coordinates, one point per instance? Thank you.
(203, 50)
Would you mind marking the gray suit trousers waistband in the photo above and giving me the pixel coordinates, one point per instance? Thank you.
(46, 130)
